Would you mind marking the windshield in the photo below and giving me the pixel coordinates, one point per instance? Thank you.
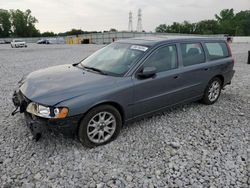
(114, 59)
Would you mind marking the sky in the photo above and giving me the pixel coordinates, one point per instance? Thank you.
(89, 15)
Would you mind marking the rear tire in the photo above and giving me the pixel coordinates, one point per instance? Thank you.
(213, 91)
(100, 126)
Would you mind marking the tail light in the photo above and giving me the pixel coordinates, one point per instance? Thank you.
(230, 51)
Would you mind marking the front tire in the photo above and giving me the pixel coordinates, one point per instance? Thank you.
(213, 91)
(100, 126)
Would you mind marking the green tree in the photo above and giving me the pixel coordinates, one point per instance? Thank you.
(5, 24)
(162, 28)
(113, 30)
(207, 27)
(75, 32)
(242, 23)
(226, 21)
(187, 27)
(175, 28)
(23, 23)
(48, 34)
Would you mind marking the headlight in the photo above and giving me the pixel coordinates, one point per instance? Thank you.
(47, 112)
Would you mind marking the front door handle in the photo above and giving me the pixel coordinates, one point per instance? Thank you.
(175, 77)
(206, 69)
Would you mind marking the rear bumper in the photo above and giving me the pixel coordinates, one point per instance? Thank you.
(228, 77)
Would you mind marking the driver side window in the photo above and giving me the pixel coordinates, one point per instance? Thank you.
(163, 59)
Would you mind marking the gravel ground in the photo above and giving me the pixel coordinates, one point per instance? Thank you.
(187, 146)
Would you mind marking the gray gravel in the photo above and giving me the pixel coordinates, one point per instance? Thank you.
(187, 146)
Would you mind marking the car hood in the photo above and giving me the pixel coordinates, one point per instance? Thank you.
(53, 85)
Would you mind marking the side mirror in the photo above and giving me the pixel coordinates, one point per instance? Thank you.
(147, 72)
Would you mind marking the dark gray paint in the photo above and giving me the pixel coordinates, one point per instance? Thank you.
(80, 90)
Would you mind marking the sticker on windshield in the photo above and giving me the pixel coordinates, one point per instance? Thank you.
(137, 47)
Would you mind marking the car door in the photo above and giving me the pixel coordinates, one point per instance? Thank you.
(219, 58)
(162, 89)
(195, 71)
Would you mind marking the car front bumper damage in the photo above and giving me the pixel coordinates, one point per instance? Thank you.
(37, 125)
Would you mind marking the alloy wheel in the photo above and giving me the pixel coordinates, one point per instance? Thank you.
(101, 127)
(214, 91)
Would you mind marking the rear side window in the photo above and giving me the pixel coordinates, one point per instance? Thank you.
(192, 54)
(216, 50)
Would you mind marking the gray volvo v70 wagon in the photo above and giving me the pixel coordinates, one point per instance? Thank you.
(125, 80)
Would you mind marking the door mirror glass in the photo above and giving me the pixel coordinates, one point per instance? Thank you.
(147, 72)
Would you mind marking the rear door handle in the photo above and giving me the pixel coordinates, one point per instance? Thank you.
(206, 69)
(175, 77)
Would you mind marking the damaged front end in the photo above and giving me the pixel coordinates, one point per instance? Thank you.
(21, 103)
(40, 118)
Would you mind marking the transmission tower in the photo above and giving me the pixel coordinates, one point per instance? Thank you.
(139, 22)
(130, 23)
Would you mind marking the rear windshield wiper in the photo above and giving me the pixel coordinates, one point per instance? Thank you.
(94, 69)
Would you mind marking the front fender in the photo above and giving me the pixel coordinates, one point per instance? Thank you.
(121, 94)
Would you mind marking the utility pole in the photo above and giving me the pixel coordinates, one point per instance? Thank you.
(139, 22)
(130, 23)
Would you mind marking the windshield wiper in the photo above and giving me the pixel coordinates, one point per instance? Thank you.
(94, 69)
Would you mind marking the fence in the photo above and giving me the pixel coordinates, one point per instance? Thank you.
(241, 39)
(108, 37)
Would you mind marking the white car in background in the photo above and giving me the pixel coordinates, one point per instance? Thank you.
(2, 42)
(18, 43)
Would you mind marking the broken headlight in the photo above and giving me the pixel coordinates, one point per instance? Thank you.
(47, 112)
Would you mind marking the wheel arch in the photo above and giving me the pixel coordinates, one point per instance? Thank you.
(205, 99)
(117, 106)
(111, 103)
(221, 77)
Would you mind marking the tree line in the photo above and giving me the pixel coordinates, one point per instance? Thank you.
(17, 23)
(226, 22)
